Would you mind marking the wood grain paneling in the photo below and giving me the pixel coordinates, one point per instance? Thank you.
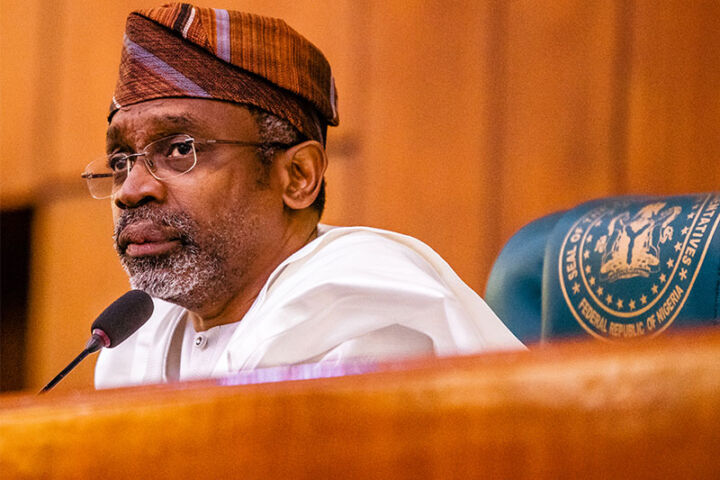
(586, 410)
(558, 95)
(674, 98)
(427, 169)
(20, 24)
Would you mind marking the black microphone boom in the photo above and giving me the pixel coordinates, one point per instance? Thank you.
(112, 327)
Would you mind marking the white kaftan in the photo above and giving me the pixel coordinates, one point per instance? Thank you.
(353, 293)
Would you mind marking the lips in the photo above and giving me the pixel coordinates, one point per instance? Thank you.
(145, 238)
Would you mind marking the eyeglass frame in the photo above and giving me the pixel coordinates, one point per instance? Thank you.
(132, 158)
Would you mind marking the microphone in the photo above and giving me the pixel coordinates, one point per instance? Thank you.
(112, 327)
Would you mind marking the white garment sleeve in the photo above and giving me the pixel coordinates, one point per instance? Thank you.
(384, 344)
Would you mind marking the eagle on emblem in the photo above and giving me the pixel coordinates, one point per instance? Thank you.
(631, 247)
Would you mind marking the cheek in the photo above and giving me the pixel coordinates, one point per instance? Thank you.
(208, 197)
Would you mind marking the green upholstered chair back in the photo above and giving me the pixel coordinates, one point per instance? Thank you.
(613, 269)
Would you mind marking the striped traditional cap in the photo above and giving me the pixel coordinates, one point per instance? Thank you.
(179, 50)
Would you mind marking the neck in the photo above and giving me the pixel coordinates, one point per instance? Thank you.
(234, 308)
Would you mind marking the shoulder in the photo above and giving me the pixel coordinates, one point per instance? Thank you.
(366, 251)
(353, 281)
(357, 272)
(360, 272)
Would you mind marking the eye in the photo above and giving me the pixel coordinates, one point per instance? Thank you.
(180, 148)
(117, 162)
(178, 155)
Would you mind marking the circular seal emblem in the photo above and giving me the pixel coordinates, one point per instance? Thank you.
(626, 269)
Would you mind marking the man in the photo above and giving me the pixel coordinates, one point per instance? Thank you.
(215, 164)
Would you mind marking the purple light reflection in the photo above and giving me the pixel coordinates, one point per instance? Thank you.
(305, 371)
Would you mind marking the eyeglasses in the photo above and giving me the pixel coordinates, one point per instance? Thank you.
(165, 158)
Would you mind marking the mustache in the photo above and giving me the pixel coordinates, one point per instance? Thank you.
(180, 224)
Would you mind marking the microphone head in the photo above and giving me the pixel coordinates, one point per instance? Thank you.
(123, 317)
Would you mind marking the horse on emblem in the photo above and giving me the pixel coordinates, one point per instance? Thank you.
(631, 247)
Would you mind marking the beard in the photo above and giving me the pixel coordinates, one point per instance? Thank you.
(200, 270)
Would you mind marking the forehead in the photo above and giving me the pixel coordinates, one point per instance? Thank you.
(201, 117)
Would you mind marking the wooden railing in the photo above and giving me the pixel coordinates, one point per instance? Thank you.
(579, 410)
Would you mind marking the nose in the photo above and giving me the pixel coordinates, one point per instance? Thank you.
(139, 187)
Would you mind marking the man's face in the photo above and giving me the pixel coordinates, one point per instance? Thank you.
(194, 239)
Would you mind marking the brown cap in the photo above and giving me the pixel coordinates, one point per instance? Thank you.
(180, 50)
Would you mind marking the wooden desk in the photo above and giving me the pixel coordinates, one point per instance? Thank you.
(584, 410)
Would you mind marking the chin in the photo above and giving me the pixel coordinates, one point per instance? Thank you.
(186, 291)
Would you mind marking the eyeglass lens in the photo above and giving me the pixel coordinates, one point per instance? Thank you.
(164, 158)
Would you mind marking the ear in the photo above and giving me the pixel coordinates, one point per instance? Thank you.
(304, 170)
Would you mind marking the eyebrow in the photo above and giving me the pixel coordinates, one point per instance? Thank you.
(160, 124)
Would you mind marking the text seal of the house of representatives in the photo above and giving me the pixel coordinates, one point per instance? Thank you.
(626, 269)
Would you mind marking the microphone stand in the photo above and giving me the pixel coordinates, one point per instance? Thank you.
(95, 343)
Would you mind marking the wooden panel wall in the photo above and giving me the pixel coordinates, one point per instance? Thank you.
(460, 122)
(673, 119)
